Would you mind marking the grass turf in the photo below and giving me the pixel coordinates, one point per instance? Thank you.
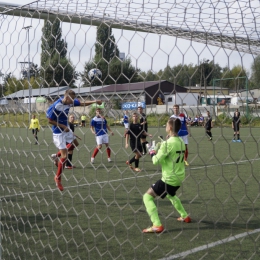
(100, 214)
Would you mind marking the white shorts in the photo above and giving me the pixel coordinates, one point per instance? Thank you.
(126, 125)
(185, 139)
(61, 139)
(102, 139)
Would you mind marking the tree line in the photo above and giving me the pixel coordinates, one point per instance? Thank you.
(56, 69)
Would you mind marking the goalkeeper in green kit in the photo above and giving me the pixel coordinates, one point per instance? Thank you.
(170, 156)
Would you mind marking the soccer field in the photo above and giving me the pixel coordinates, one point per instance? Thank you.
(100, 213)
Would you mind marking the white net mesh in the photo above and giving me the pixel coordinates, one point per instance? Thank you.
(203, 56)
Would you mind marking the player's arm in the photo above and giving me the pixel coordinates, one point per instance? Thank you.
(92, 128)
(30, 127)
(38, 125)
(126, 140)
(110, 130)
(188, 130)
(55, 123)
(146, 134)
(87, 103)
(161, 154)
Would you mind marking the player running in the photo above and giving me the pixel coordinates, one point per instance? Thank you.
(35, 126)
(135, 132)
(183, 132)
(171, 157)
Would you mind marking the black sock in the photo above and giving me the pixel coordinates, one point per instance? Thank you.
(68, 162)
(144, 147)
(132, 160)
(136, 163)
(209, 134)
(238, 136)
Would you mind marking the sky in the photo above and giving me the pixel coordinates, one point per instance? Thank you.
(147, 51)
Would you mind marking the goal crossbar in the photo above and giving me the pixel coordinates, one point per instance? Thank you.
(235, 43)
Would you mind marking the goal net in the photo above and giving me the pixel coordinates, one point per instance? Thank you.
(135, 57)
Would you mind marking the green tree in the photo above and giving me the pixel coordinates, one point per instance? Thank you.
(255, 76)
(148, 76)
(106, 59)
(56, 68)
(12, 84)
(232, 78)
(34, 71)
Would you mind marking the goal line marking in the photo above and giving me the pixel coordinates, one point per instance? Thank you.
(207, 246)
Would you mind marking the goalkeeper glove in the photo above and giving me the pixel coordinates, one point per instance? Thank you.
(153, 148)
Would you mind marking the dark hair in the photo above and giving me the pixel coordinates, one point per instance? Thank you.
(175, 123)
(70, 92)
(176, 106)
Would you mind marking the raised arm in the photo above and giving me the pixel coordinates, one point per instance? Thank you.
(87, 103)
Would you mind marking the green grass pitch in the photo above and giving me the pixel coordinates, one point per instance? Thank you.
(100, 213)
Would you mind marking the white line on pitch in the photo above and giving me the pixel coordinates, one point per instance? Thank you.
(219, 242)
(127, 178)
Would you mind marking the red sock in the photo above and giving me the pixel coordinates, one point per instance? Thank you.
(108, 152)
(70, 147)
(61, 165)
(95, 152)
(186, 154)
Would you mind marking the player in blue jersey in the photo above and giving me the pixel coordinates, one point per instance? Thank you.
(63, 137)
(183, 132)
(126, 121)
(100, 128)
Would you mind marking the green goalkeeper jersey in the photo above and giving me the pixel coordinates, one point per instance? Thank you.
(171, 157)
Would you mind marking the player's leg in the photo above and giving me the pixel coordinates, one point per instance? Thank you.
(36, 136)
(186, 142)
(143, 142)
(138, 155)
(70, 148)
(98, 147)
(69, 160)
(133, 160)
(71, 143)
(176, 202)
(148, 199)
(108, 150)
(208, 132)
(60, 142)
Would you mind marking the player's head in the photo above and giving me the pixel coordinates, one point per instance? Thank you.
(176, 109)
(140, 109)
(71, 118)
(173, 126)
(126, 112)
(135, 117)
(33, 116)
(69, 96)
(98, 111)
(208, 113)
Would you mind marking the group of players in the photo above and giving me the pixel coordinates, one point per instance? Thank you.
(171, 154)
